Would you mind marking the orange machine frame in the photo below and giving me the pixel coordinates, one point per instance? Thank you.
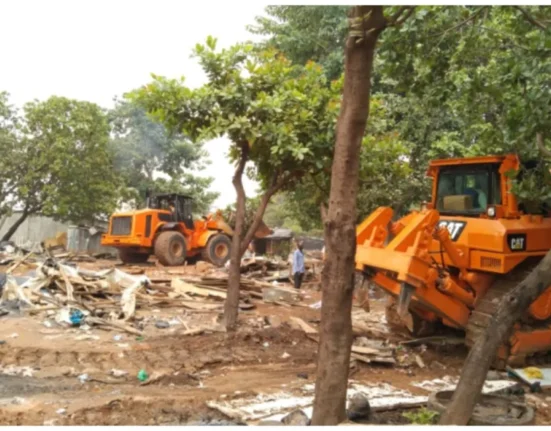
(142, 242)
(411, 266)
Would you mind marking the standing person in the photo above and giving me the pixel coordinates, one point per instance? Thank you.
(298, 266)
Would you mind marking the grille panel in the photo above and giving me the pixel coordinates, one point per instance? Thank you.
(121, 225)
(490, 262)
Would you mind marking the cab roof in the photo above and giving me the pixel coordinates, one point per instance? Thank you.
(513, 161)
(170, 196)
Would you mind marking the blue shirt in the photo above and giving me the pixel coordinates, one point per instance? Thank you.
(298, 262)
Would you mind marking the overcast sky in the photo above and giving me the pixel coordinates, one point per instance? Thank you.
(94, 50)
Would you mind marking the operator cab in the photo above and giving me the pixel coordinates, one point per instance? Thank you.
(179, 206)
(473, 186)
(468, 189)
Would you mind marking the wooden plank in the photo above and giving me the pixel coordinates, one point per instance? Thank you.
(370, 351)
(182, 286)
(372, 359)
(303, 325)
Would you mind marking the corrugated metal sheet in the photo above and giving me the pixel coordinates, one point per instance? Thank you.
(33, 230)
(36, 229)
(83, 239)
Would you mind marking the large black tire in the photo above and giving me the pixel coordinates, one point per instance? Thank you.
(127, 255)
(171, 248)
(217, 250)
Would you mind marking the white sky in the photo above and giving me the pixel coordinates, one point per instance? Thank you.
(94, 50)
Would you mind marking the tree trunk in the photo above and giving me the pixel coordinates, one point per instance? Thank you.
(15, 226)
(277, 184)
(340, 221)
(231, 306)
(484, 351)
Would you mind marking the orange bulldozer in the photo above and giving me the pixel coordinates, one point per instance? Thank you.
(166, 229)
(452, 262)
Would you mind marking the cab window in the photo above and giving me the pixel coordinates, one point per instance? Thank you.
(468, 189)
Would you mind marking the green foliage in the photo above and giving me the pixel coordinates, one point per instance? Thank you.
(144, 150)
(454, 81)
(531, 186)
(423, 416)
(283, 115)
(250, 209)
(57, 160)
(9, 162)
(307, 33)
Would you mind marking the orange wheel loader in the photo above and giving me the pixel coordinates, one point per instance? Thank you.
(451, 262)
(166, 229)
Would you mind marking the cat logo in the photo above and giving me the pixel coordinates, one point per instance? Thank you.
(517, 242)
(454, 228)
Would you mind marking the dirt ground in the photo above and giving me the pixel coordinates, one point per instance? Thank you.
(68, 376)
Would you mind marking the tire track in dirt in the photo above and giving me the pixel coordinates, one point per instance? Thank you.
(174, 353)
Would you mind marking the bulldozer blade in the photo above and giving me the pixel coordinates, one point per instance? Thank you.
(406, 292)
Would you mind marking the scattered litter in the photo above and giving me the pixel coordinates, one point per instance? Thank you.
(419, 361)
(76, 317)
(266, 344)
(14, 335)
(61, 411)
(543, 379)
(161, 324)
(117, 337)
(87, 337)
(142, 375)
(533, 373)
(285, 355)
(83, 378)
(316, 305)
(118, 373)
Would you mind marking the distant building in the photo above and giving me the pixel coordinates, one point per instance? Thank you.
(311, 243)
(276, 244)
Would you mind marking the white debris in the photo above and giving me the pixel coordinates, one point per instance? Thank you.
(87, 337)
(285, 355)
(118, 373)
(448, 383)
(275, 406)
(83, 378)
(12, 370)
(316, 305)
(13, 291)
(61, 411)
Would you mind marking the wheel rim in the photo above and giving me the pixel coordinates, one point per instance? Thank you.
(221, 250)
(176, 249)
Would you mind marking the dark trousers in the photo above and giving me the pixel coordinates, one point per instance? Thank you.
(298, 279)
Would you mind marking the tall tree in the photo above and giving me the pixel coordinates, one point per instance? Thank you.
(366, 23)
(150, 158)
(61, 166)
(278, 117)
(306, 33)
